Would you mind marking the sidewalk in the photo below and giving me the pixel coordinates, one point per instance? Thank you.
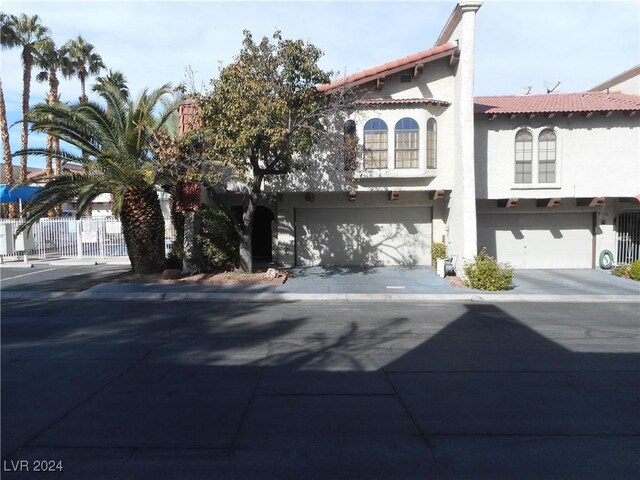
(399, 284)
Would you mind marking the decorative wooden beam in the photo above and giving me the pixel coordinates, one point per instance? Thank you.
(590, 202)
(632, 113)
(547, 202)
(588, 114)
(417, 70)
(568, 114)
(380, 83)
(513, 116)
(507, 203)
(352, 196)
(436, 194)
(492, 116)
(394, 195)
(310, 197)
(607, 114)
(550, 115)
(455, 58)
(531, 115)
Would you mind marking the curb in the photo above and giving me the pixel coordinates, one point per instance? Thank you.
(315, 297)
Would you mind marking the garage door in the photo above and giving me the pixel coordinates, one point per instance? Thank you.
(363, 236)
(538, 240)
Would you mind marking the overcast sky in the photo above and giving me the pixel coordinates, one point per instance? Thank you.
(579, 44)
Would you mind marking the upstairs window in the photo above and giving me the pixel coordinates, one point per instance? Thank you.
(432, 145)
(547, 156)
(376, 143)
(524, 156)
(407, 134)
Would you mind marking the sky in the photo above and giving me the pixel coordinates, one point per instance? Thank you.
(518, 44)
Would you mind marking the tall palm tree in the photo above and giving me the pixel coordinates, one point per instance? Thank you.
(49, 61)
(118, 140)
(7, 40)
(29, 34)
(116, 78)
(81, 61)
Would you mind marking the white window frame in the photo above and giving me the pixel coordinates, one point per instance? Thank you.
(535, 164)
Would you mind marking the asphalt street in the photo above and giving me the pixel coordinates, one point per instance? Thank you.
(107, 389)
(57, 277)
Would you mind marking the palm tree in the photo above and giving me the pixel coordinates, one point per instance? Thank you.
(29, 34)
(118, 140)
(7, 40)
(49, 61)
(116, 78)
(81, 61)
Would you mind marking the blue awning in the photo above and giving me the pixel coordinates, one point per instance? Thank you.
(13, 194)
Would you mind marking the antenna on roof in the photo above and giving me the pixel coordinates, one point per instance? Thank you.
(550, 86)
(526, 90)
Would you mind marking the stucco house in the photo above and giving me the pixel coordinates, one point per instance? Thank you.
(539, 180)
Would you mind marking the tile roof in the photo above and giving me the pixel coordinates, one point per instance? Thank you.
(401, 101)
(392, 67)
(557, 103)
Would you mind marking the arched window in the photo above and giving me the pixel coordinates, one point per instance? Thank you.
(375, 144)
(432, 144)
(524, 156)
(407, 133)
(547, 156)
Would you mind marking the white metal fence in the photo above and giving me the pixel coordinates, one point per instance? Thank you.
(52, 238)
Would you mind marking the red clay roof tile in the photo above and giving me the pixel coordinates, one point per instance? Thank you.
(401, 101)
(406, 62)
(557, 103)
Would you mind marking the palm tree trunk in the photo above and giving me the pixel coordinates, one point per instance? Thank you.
(52, 142)
(6, 150)
(143, 229)
(26, 92)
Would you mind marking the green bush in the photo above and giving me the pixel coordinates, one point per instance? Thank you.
(485, 273)
(634, 271)
(216, 242)
(438, 251)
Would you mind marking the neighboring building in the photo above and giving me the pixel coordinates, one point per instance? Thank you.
(555, 175)
(539, 180)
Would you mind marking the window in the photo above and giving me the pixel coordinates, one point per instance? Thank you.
(524, 156)
(407, 133)
(375, 144)
(431, 144)
(547, 156)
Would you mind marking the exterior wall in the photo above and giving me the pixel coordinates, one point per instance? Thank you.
(325, 171)
(596, 157)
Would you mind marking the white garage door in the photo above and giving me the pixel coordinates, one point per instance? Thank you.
(363, 236)
(538, 240)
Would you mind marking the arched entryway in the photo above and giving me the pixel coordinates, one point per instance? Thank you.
(261, 236)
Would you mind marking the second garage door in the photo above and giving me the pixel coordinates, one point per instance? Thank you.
(538, 240)
(363, 236)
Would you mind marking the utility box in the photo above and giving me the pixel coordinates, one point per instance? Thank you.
(6, 239)
(25, 241)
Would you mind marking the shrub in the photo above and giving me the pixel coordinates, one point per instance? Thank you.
(622, 270)
(634, 271)
(438, 251)
(216, 242)
(485, 273)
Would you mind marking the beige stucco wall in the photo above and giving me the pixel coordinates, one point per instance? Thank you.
(596, 156)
